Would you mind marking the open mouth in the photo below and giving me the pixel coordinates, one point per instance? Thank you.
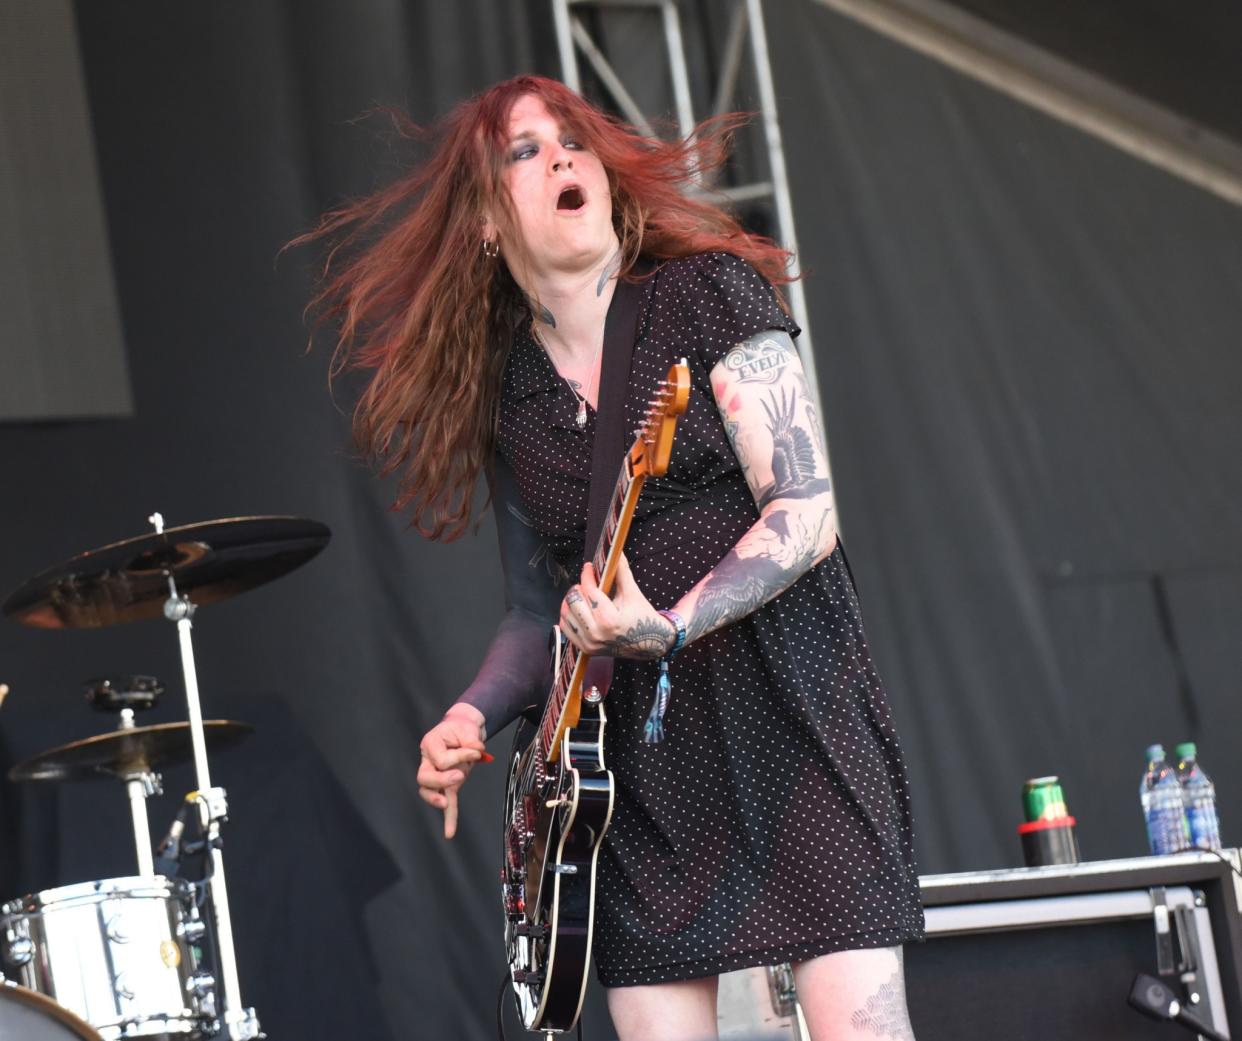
(571, 198)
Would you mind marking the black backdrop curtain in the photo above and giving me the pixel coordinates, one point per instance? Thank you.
(1026, 344)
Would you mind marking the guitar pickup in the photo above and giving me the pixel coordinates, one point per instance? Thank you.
(531, 929)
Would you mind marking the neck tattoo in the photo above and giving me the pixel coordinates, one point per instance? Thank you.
(610, 269)
(580, 420)
(545, 316)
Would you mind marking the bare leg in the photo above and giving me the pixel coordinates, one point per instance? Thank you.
(682, 1011)
(855, 996)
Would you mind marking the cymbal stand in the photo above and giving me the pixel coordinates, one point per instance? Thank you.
(140, 784)
(241, 1024)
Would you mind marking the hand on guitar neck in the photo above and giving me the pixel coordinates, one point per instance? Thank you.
(450, 749)
(624, 625)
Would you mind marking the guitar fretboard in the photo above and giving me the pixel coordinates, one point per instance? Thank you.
(572, 661)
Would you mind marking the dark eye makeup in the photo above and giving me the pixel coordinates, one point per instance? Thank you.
(528, 149)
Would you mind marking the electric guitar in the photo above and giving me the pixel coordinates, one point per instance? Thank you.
(560, 795)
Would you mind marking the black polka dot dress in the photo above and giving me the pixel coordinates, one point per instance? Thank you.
(773, 822)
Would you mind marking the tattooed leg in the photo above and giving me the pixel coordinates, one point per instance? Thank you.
(857, 995)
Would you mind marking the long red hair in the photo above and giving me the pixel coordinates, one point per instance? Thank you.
(415, 299)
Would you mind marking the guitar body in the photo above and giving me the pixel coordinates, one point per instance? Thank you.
(559, 798)
(555, 818)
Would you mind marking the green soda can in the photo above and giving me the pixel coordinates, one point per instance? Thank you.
(1043, 799)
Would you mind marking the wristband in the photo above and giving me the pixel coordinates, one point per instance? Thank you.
(653, 730)
(679, 640)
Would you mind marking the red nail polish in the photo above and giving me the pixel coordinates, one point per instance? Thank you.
(487, 757)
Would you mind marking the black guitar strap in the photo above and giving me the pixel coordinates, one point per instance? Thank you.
(620, 332)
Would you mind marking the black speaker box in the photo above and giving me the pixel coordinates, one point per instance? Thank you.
(1035, 954)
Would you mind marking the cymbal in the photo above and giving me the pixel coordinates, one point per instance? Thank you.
(123, 752)
(128, 581)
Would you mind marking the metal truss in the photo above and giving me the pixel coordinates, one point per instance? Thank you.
(764, 183)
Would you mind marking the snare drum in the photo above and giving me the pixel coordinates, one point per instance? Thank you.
(27, 1016)
(122, 953)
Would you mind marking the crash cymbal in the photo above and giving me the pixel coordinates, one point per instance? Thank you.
(123, 752)
(127, 581)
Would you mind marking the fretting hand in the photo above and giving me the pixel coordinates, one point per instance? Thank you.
(624, 625)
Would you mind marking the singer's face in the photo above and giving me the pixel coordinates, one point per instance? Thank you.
(560, 195)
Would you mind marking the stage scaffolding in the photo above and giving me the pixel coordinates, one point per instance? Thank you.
(638, 59)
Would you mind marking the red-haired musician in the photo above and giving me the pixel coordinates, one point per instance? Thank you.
(772, 824)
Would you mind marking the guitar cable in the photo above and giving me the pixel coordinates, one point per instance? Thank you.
(500, 1006)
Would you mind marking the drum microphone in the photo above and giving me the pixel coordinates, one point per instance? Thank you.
(168, 853)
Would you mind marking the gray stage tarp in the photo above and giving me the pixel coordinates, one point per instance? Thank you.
(1027, 347)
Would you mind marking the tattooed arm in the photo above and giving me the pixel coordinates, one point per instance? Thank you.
(772, 424)
(771, 420)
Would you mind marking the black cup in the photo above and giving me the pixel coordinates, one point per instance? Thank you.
(1049, 842)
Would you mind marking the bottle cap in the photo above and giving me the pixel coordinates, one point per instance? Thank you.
(1155, 753)
(1186, 750)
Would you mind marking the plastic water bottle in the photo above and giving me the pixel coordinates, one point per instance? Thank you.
(1161, 796)
(1198, 798)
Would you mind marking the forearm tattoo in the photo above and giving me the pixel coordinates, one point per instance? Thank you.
(770, 557)
(646, 639)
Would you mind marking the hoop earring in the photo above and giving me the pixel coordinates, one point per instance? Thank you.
(491, 249)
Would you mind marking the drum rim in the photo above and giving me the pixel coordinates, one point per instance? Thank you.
(139, 887)
(57, 1011)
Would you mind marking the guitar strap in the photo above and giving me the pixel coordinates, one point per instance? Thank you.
(620, 333)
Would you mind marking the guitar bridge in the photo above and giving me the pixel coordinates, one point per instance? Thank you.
(531, 929)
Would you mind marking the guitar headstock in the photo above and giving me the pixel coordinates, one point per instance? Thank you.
(653, 441)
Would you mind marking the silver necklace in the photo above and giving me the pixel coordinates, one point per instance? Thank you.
(581, 418)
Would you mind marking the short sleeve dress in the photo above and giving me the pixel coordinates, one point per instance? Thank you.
(773, 822)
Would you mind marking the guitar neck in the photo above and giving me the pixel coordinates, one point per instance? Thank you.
(564, 703)
(648, 455)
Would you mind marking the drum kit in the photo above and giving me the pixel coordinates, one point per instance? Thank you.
(149, 956)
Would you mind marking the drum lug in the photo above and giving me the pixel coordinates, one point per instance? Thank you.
(201, 984)
(122, 988)
(191, 930)
(117, 932)
(19, 950)
(244, 1025)
(201, 988)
